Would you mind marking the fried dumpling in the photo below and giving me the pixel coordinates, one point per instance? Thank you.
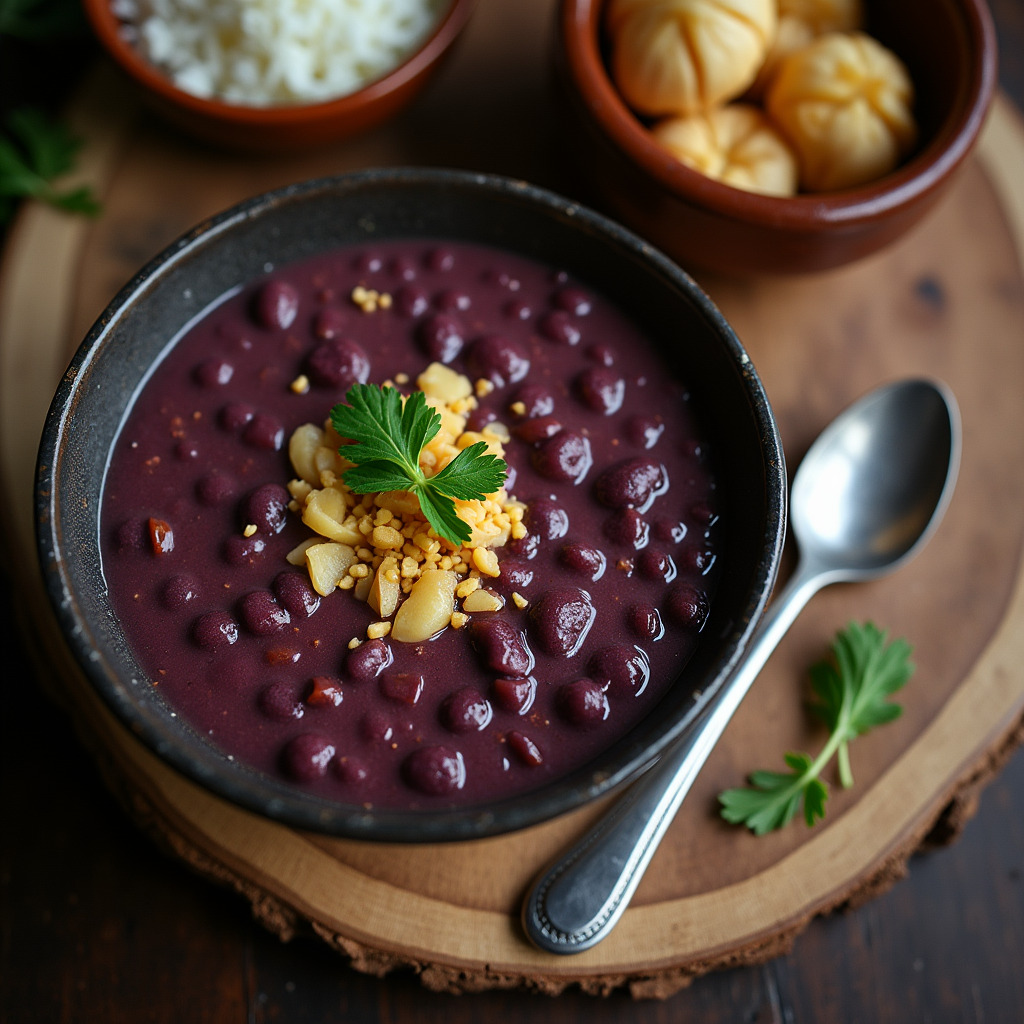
(845, 103)
(678, 57)
(734, 144)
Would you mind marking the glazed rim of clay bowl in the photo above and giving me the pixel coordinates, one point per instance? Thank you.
(296, 223)
(948, 140)
(107, 27)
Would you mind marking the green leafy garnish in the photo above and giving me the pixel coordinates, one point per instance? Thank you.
(853, 691)
(387, 435)
(35, 150)
(41, 19)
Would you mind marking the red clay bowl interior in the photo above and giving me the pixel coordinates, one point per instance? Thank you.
(281, 128)
(292, 224)
(950, 49)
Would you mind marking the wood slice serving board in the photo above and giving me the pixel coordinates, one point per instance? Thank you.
(947, 301)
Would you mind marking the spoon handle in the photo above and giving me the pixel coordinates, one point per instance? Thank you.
(580, 898)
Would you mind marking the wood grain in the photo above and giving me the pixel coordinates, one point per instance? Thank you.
(947, 301)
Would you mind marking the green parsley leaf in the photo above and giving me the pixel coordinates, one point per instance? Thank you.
(386, 434)
(34, 151)
(853, 691)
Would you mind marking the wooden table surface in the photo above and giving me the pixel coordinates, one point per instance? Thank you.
(98, 925)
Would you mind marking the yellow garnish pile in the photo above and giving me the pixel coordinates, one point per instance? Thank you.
(381, 547)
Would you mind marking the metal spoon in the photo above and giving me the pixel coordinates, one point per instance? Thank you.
(867, 495)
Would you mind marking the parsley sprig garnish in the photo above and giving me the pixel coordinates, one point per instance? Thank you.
(34, 151)
(853, 691)
(387, 435)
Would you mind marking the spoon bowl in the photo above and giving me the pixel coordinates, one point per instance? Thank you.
(868, 494)
(876, 481)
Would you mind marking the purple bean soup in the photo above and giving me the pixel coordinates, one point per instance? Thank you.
(333, 638)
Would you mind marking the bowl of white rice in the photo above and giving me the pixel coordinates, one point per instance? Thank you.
(277, 75)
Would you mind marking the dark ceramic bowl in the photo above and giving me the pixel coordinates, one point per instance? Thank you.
(279, 129)
(298, 222)
(949, 48)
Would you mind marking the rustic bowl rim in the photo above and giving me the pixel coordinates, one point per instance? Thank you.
(199, 761)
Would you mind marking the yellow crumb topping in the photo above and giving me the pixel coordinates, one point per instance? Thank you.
(380, 546)
(369, 300)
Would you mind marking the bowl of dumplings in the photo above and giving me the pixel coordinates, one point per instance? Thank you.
(753, 137)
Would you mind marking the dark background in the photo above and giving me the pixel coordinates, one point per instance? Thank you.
(98, 925)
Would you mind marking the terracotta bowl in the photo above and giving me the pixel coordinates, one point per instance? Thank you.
(301, 222)
(949, 48)
(279, 129)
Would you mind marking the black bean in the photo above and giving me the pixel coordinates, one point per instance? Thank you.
(656, 564)
(275, 305)
(368, 660)
(403, 268)
(669, 531)
(501, 647)
(559, 328)
(516, 309)
(439, 259)
(338, 363)
(235, 415)
(603, 355)
(435, 770)
(644, 620)
(583, 703)
(620, 669)
(627, 528)
(537, 429)
(631, 483)
(329, 323)
(376, 727)
(179, 591)
(566, 456)
(466, 710)
(306, 757)
(411, 301)
(350, 770)
(264, 431)
(266, 508)
(537, 400)
(601, 389)
(215, 630)
(560, 621)
(240, 550)
(644, 431)
(441, 337)
(497, 359)
(295, 593)
(452, 300)
(214, 372)
(479, 417)
(261, 613)
(573, 300)
(547, 519)
(581, 558)
(688, 606)
(515, 695)
(280, 702)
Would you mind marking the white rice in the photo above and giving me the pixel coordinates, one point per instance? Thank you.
(277, 52)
